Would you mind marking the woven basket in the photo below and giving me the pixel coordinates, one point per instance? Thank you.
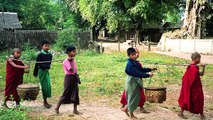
(28, 91)
(155, 95)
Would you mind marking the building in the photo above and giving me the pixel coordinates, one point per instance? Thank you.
(9, 20)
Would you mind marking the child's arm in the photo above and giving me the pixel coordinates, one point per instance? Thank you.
(203, 69)
(35, 71)
(131, 70)
(10, 60)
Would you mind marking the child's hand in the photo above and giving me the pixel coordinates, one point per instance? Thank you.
(203, 65)
(150, 74)
(153, 68)
(26, 66)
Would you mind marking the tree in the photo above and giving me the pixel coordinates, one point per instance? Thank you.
(195, 14)
(43, 14)
(118, 15)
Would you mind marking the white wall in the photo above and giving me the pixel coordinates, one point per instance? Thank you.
(188, 45)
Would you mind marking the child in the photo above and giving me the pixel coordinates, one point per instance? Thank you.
(42, 70)
(191, 95)
(133, 81)
(14, 76)
(142, 96)
(71, 80)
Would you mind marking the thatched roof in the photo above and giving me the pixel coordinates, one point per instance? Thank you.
(9, 20)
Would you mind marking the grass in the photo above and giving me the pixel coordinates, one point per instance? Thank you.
(12, 114)
(103, 77)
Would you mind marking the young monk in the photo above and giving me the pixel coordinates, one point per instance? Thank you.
(123, 100)
(14, 76)
(191, 95)
(71, 81)
(133, 81)
(42, 71)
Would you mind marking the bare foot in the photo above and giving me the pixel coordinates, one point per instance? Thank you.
(133, 118)
(202, 117)
(144, 111)
(182, 116)
(47, 105)
(77, 113)
(124, 109)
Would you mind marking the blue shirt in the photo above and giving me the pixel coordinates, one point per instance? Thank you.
(133, 68)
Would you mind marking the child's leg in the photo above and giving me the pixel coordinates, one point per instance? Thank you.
(132, 116)
(122, 106)
(57, 107)
(125, 109)
(46, 104)
(202, 116)
(180, 114)
(75, 111)
(16, 98)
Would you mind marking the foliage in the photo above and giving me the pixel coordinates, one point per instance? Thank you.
(29, 53)
(209, 21)
(126, 14)
(12, 114)
(65, 37)
(43, 14)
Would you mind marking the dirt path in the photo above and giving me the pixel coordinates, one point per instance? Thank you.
(109, 47)
(97, 110)
(101, 112)
(208, 59)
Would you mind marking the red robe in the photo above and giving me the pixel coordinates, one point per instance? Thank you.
(191, 95)
(142, 96)
(14, 77)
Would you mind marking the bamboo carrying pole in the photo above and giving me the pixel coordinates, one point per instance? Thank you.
(61, 61)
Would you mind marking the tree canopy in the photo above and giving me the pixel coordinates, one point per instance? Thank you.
(125, 14)
(42, 14)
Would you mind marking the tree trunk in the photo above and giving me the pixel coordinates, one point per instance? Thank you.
(118, 39)
(137, 37)
(193, 18)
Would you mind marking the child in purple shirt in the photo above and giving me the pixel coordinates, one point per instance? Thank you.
(71, 80)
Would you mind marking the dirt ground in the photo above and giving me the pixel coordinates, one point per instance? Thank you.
(99, 110)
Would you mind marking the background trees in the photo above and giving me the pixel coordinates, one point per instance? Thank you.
(114, 15)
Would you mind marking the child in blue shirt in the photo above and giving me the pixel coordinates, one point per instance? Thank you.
(133, 82)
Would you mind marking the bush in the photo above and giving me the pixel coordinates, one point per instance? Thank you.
(29, 53)
(65, 37)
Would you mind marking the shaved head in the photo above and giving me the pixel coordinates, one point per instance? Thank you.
(16, 50)
(195, 55)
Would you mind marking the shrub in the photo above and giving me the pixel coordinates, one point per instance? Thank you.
(29, 53)
(65, 37)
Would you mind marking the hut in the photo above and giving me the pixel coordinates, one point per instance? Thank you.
(9, 20)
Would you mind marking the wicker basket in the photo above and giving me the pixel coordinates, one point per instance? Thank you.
(155, 95)
(28, 91)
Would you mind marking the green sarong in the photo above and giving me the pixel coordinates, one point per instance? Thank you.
(44, 78)
(133, 86)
